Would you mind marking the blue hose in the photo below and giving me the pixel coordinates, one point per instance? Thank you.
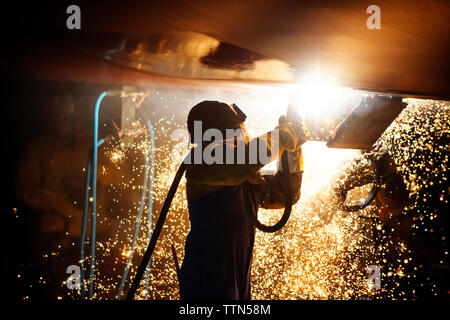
(94, 192)
(83, 227)
(85, 219)
(136, 231)
(141, 207)
(92, 175)
(92, 159)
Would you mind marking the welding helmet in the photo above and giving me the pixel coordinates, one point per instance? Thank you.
(214, 114)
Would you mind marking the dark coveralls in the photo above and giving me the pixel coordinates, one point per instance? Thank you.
(218, 248)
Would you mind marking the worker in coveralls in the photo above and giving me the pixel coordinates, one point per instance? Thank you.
(218, 248)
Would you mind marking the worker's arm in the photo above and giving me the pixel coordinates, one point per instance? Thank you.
(290, 135)
(271, 194)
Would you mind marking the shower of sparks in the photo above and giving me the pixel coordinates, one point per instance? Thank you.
(322, 253)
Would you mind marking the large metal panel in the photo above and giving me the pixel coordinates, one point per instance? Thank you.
(366, 123)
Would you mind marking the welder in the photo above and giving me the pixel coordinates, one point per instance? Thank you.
(218, 248)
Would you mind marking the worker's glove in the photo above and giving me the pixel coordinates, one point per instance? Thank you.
(297, 130)
(300, 135)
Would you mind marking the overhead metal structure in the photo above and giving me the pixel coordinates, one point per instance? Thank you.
(198, 43)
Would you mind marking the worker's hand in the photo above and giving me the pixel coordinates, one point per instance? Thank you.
(299, 131)
(282, 119)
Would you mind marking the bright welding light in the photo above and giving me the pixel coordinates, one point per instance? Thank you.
(317, 95)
